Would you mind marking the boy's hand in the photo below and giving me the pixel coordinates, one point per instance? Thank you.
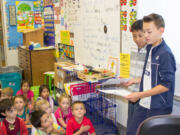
(84, 128)
(133, 97)
(131, 82)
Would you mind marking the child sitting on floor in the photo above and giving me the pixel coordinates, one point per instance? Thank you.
(79, 124)
(44, 94)
(44, 124)
(63, 112)
(44, 106)
(20, 103)
(11, 124)
(25, 90)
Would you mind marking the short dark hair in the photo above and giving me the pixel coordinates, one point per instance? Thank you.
(36, 118)
(137, 25)
(78, 102)
(42, 87)
(156, 18)
(6, 105)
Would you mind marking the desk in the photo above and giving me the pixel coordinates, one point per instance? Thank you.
(35, 63)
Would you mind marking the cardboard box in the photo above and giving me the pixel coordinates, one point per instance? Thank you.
(80, 90)
(35, 35)
(63, 73)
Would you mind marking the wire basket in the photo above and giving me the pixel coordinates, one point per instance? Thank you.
(102, 109)
(10, 69)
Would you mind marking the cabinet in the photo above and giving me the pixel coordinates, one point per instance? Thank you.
(35, 63)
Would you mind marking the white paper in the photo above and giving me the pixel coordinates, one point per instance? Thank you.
(115, 81)
(118, 92)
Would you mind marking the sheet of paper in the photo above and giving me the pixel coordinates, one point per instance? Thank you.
(118, 92)
(124, 65)
(115, 81)
(65, 37)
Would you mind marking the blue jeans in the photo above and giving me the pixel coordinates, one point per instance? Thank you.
(141, 113)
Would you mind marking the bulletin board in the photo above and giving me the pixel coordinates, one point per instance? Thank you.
(14, 41)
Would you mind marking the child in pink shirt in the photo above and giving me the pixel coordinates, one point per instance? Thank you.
(27, 93)
(63, 113)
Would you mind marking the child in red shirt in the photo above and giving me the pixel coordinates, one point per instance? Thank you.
(11, 124)
(79, 124)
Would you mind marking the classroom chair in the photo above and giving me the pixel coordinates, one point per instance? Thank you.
(160, 125)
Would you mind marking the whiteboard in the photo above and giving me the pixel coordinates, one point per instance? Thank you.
(92, 45)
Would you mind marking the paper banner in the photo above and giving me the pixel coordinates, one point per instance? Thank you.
(65, 37)
(124, 65)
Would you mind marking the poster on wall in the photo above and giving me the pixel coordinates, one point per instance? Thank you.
(25, 15)
(12, 15)
(124, 65)
(65, 37)
(113, 65)
(37, 12)
(128, 15)
(49, 34)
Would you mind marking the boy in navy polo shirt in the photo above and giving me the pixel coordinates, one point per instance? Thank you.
(158, 80)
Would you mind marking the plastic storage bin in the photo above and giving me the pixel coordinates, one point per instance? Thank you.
(10, 69)
(12, 80)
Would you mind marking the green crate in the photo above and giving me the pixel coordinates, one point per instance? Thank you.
(35, 89)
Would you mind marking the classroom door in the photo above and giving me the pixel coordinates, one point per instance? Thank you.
(2, 56)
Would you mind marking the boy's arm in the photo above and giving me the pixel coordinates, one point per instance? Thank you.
(82, 129)
(167, 70)
(132, 81)
(133, 97)
(93, 133)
